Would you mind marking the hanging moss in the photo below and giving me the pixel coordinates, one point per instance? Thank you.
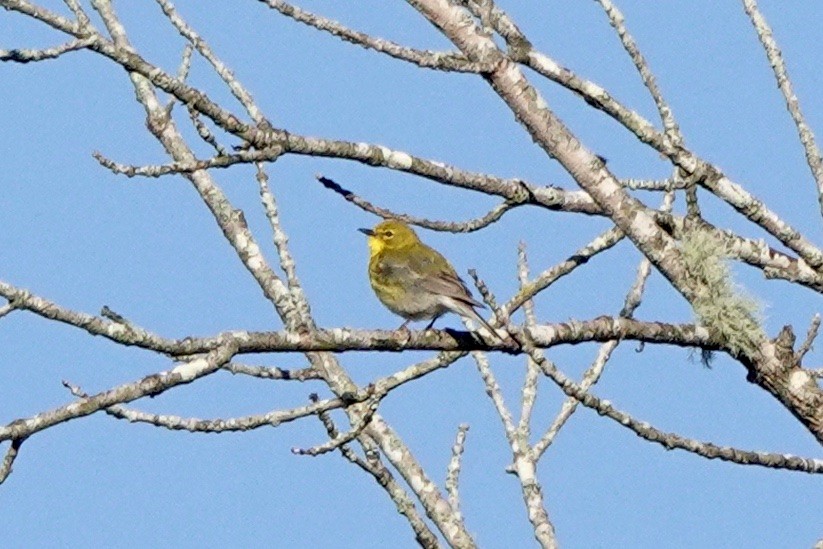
(719, 303)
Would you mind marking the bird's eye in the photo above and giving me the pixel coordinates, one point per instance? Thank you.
(389, 234)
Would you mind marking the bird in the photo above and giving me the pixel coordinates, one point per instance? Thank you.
(414, 280)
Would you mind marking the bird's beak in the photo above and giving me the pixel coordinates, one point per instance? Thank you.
(367, 232)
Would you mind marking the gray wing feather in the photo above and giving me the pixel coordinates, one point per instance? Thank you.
(447, 284)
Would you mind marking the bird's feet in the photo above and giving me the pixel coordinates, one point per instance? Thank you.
(405, 332)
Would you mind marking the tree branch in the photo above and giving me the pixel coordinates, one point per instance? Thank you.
(784, 83)
(30, 56)
(444, 61)
(154, 384)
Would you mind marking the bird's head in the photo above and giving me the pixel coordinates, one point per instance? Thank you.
(390, 234)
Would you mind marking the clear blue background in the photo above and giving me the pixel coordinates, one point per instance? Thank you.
(72, 232)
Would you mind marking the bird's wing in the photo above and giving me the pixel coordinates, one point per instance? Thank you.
(446, 282)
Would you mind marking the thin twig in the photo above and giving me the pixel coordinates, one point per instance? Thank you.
(529, 390)
(182, 74)
(237, 89)
(367, 412)
(222, 160)
(444, 61)
(484, 368)
(185, 63)
(8, 459)
(524, 462)
(79, 13)
(374, 467)
(617, 21)
(274, 418)
(784, 83)
(32, 56)
(205, 134)
(6, 309)
(593, 373)
(453, 470)
(469, 226)
(673, 440)
(811, 335)
(279, 236)
(266, 372)
(496, 395)
(154, 384)
(601, 243)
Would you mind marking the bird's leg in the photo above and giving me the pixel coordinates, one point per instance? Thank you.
(406, 332)
(431, 324)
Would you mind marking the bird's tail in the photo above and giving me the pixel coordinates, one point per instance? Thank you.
(468, 311)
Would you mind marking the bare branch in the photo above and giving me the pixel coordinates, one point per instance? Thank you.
(115, 331)
(234, 228)
(453, 470)
(237, 89)
(601, 243)
(279, 237)
(274, 418)
(6, 309)
(669, 124)
(205, 134)
(192, 166)
(524, 462)
(339, 340)
(653, 184)
(78, 11)
(437, 507)
(593, 373)
(673, 440)
(658, 235)
(758, 254)
(520, 49)
(469, 226)
(496, 395)
(342, 439)
(529, 390)
(8, 459)
(514, 190)
(31, 56)
(444, 61)
(811, 335)
(264, 372)
(230, 220)
(185, 63)
(154, 384)
(766, 36)
(628, 214)
(374, 467)
(757, 212)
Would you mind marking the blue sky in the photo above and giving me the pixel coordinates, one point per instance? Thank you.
(74, 233)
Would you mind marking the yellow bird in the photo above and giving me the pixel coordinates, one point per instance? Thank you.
(414, 280)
